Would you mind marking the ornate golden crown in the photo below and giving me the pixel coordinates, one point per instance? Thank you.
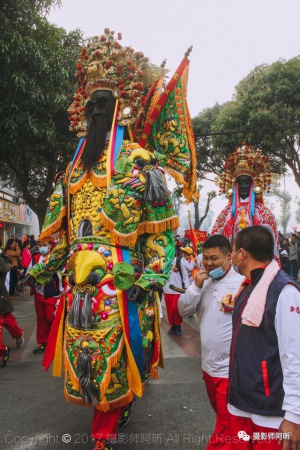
(105, 65)
(246, 161)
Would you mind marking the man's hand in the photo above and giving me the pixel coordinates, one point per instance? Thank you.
(29, 280)
(291, 435)
(137, 294)
(200, 277)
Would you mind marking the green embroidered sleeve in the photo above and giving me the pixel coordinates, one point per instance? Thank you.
(159, 250)
(43, 272)
(125, 212)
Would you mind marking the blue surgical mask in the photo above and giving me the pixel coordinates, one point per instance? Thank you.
(218, 272)
(236, 268)
(43, 250)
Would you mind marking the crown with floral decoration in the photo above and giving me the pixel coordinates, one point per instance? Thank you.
(246, 161)
(105, 65)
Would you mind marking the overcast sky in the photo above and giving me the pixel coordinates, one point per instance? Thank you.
(229, 38)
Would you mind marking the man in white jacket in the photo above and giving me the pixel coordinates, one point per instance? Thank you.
(210, 296)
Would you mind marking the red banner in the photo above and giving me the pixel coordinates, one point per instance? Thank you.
(200, 235)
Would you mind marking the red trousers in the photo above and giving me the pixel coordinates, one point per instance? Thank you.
(105, 424)
(261, 438)
(45, 309)
(216, 390)
(9, 322)
(174, 317)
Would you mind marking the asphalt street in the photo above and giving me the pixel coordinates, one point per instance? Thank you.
(174, 412)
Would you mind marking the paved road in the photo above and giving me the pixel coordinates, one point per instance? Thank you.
(173, 414)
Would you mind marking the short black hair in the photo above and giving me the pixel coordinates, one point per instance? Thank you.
(258, 241)
(217, 240)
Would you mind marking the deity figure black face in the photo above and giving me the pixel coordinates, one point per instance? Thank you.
(244, 183)
(99, 116)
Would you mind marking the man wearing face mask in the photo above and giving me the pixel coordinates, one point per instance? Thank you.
(264, 384)
(210, 297)
(45, 300)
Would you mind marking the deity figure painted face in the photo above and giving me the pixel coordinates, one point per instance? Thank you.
(102, 103)
(244, 183)
(99, 115)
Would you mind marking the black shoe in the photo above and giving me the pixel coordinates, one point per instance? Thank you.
(172, 330)
(39, 349)
(124, 419)
(5, 357)
(178, 330)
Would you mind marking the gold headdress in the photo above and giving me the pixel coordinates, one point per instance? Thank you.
(246, 161)
(105, 65)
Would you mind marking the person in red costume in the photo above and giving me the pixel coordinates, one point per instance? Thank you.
(45, 300)
(245, 178)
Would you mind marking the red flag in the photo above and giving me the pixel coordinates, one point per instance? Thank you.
(193, 237)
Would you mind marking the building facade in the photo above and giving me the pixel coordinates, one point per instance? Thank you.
(16, 217)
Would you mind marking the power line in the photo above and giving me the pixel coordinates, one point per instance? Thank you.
(223, 133)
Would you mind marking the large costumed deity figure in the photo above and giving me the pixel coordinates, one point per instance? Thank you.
(246, 176)
(112, 212)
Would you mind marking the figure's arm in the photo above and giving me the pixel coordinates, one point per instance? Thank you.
(220, 222)
(287, 325)
(158, 250)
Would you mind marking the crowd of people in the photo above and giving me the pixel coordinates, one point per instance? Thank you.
(20, 253)
(16, 258)
(289, 253)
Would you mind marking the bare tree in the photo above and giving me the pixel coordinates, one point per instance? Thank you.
(177, 198)
(199, 220)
